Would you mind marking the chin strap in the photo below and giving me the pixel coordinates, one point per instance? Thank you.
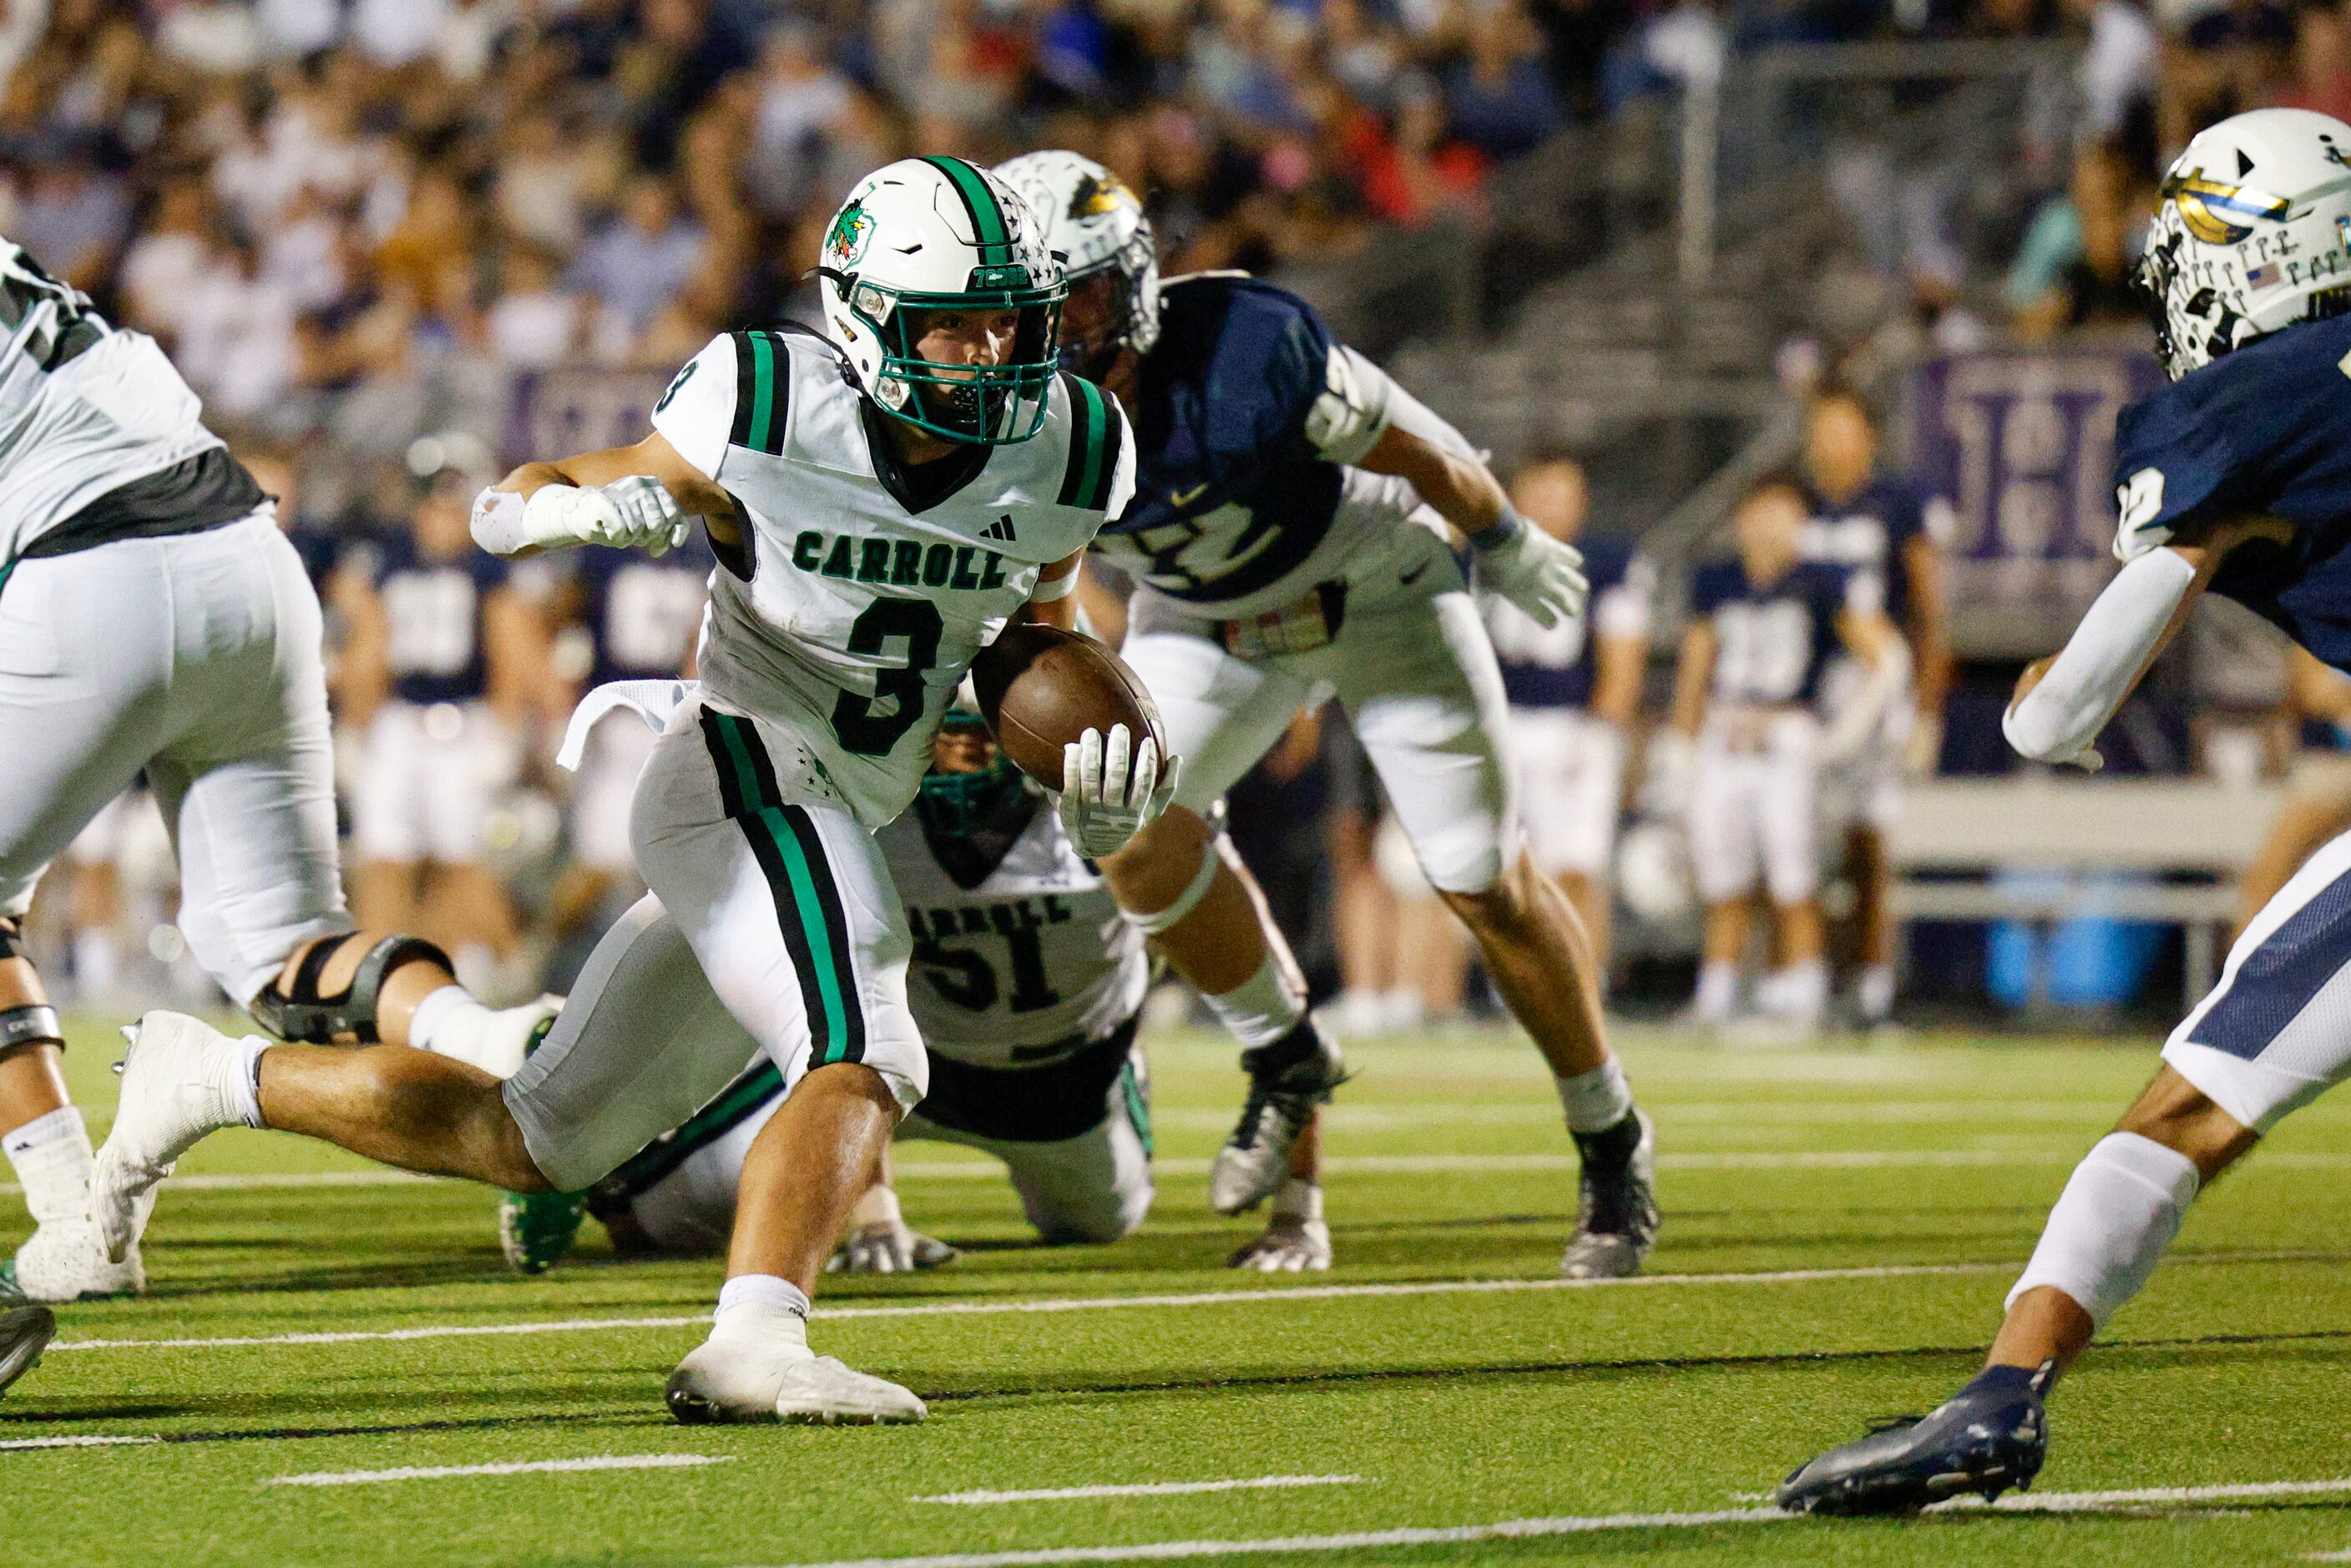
(34, 1023)
(303, 1015)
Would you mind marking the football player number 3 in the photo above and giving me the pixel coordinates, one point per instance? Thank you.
(870, 726)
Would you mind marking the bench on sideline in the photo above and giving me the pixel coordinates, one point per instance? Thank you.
(2036, 822)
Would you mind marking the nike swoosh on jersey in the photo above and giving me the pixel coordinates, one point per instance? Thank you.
(1409, 578)
(1186, 497)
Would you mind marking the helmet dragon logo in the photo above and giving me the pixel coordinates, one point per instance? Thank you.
(851, 232)
(2212, 210)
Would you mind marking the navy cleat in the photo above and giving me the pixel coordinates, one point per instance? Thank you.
(1989, 1436)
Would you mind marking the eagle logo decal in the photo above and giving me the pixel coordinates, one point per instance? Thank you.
(2220, 213)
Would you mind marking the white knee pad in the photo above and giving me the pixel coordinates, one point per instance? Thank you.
(1158, 921)
(2112, 1224)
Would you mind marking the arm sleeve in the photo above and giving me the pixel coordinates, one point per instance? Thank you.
(1346, 419)
(697, 414)
(2102, 660)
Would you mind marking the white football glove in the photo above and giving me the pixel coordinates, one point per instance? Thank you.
(1112, 789)
(1541, 575)
(1290, 1245)
(889, 1249)
(633, 513)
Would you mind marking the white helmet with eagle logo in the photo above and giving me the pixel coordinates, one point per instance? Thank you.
(927, 235)
(1095, 224)
(2253, 234)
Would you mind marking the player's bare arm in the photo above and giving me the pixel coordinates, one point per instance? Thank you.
(1541, 575)
(1929, 627)
(1691, 675)
(630, 496)
(1059, 586)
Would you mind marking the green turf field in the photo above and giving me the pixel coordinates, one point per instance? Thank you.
(1840, 1226)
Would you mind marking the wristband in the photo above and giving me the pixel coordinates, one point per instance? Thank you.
(547, 515)
(1505, 528)
(1046, 591)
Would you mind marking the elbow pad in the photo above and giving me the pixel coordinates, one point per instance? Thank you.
(2102, 661)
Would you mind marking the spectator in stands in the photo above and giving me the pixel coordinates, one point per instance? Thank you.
(641, 258)
(1499, 100)
(2078, 263)
(73, 217)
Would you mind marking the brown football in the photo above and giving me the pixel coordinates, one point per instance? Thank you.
(1041, 687)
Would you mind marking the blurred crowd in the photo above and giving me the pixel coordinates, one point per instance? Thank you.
(362, 218)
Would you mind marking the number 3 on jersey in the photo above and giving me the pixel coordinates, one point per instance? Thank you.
(871, 726)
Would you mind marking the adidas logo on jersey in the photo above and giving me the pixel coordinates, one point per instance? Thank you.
(1000, 530)
(901, 563)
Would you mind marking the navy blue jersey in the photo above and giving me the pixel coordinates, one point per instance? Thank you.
(1553, 668)
(1230, 491)
(321, 546)
(1871, 530)
(2263, 432)
(641, 614)
(1774, 639)
(433, 613)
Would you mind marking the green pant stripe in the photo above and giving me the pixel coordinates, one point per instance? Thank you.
(833, 1040)
(1138, 1105)
(763, 394)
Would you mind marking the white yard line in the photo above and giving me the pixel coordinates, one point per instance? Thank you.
(1146, 1489)
(1365, 1164)
(76, 1442)
(528, 1468)
(263, 1181)
(1574, 1525)
(1015, 1306)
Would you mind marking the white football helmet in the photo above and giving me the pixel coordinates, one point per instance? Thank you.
(2253, 233)
(1095, 224)
(926, 234)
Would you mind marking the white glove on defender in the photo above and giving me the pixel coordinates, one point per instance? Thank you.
(1110, 790)
(1541, 575)
(634, 513)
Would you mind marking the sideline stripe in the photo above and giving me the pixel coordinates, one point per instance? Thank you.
(86, 1442)
(1271, 1294)
(529, 1467)
(1149, 1489)
(1529, 1529)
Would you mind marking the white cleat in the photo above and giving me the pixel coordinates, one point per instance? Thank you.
(733, 1380)
(179, 1078)
(65, 1261)
(1289, 1245)
(826, 1391)
(497, 1042)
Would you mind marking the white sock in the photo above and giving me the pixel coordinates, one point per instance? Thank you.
(433, 1015)
(52, 1156)
(1801, 991)
(763, 1307)
(245, 1092)
(1261, 1009)
(1875, 991)
(2118, 1212)
(1298, 1200)
(1718, 990)
(1595, 1100)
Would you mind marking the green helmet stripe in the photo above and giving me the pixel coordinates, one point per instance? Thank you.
(986, 220)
